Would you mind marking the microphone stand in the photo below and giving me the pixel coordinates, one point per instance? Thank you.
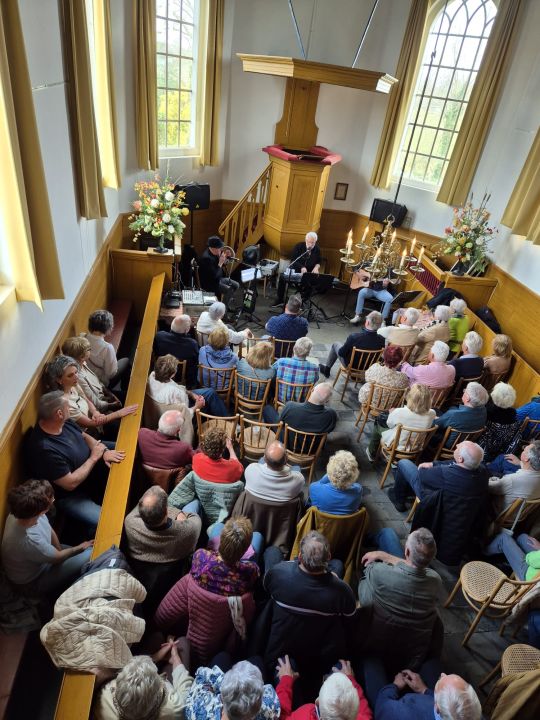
(287, 272)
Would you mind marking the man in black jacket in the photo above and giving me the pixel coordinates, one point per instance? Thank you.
(211, 274)
(366, 339)
(305, 257)
(177, 342)
(310, 416)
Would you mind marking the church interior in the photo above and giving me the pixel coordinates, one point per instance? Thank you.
(362, 170)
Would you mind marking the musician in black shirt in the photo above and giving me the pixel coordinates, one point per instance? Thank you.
(211, 275)
(306, 257)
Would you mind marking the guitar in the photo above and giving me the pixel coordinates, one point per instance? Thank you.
(360, 279)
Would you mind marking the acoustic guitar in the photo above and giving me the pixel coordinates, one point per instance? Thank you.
(360, 279)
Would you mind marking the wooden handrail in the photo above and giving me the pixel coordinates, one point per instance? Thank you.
(244, 224)
(75, 699)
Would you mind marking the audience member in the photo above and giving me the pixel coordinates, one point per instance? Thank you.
(458, 324)
(102, 358)
(78, 348)
(514, 478)
(530, 410)
(257, 366)
(366, 339)
(416, 414)
(212, 319)
(340, 696)
(386, 374)
(209, 464)
(500, 360)
(290, 325)
(471, 415)
(157, 533)
(310, 416)
(404, 334)
(436, 374)
(469, 364)
(217, 354)
(501, 422)
(437, 330)
(162, 448)
(178, 342)
(408, 698)
(273, 479)
(32, 556)
(522, 554)
(338, 492)
(296, 369)
(73, 461)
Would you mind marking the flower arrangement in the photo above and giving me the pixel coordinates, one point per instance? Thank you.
(159, 211)
(469, 235)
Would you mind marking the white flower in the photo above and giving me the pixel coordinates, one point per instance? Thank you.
(154, 202)
(169, 197)
(479, 241)
(166, 217)
(171, 228)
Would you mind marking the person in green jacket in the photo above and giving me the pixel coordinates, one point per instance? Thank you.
(523, 553)
(458, 324)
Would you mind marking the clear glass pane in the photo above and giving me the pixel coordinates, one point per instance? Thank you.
(173, 72)
(161, 8)
(460, 116)
(162, 134)
(478, 19)
(186, 69)
(174, 37)
(450, 52)
(187, 10)
(434, 170)
(173, 105)
(162, 105)
(185, 134)
(434, 113)
(419, 167)
(172, 134)
(443, 82)
(459, 17)
(468, 53)
(187, 40)
(161, 35)
(185, 106)
(450, 115)
(442, 143)
(459, 85)
(161, 70)
(175, 9)
(426, 141)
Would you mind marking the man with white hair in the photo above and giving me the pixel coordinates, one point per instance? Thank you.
(469, 364)
(162, 448)
(297, 369)
(310, 416)
(468, 417)
(409, 698)
(305, 257)
(404, 333)
(340, 696)
(177, 342)
(436, 374)
(366, 339)
(213, 318)
(436, 330)
(514, 478)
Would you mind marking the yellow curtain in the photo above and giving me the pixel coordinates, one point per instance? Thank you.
(24, 203)
(481, 107)
(400, 95)
(85, 148)
(522, 214)
(212, 92)
(146, 84)
(105, 96)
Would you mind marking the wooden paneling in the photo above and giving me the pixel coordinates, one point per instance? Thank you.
(297, 128)
(132, 272)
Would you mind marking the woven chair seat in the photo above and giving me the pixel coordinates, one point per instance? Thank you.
(479, 579)
(519, 658)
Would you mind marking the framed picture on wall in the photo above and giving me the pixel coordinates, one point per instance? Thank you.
(340, 192)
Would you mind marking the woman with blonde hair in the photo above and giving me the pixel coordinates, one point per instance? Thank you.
(499, 361)
(78, 348)
(338, 492)
(257, 366)
(417, 414)
(217, 354)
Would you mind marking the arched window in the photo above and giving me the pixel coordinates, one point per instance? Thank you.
(458, 31)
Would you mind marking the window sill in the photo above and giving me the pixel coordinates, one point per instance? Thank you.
(417, 185)
(6, 292)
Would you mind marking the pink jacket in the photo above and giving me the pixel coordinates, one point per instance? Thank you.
(284, 692)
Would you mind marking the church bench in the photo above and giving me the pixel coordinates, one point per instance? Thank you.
(11, 651)
(75, 699)
(121, 310)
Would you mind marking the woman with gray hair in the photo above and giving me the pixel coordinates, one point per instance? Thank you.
(458, 324)
(213, 317)
(436, 330)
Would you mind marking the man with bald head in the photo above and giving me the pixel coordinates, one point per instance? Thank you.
(272, 478)
(409, 698)
(178, 342)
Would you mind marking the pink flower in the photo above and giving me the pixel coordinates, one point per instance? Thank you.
(137, 205)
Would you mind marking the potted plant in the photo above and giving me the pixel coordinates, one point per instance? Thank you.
(468, 238)
(159, 212)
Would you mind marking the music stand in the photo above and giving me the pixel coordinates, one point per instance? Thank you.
(249, 299)
(311, 285)
(407, 296)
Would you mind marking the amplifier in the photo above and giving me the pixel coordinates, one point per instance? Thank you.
(381, 209)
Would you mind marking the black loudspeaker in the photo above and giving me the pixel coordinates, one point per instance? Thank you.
(381, 209)
(197, 196)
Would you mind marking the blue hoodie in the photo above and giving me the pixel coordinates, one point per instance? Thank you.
(216, 359)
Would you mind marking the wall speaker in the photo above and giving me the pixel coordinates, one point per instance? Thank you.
(381, 209)
(197, 196)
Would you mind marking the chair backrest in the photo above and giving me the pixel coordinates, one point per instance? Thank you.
(180, 376)
(460, 387)
(489, 379)
(291, 392)
(255, 437)
(283, 348)
(405, 349)
(164, 477)
(439, 396)
(202, 338)
(220, 379)
(451, 440)
(205, 422)
(250, 395)
(276, 521)
(385, 397)
(518, 511)
(530, 430)
(411, 441)
(302, 444)
(153, 410)
(361, 360)
(251, 342)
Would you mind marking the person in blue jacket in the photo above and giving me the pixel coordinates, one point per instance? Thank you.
(338, 492)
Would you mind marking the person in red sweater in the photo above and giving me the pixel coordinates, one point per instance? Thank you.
(340, 696)
(210, 465)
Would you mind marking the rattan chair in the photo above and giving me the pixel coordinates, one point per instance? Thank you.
(303, 448)
(439, 396)
(489, 379)
(382, 398)
(445, 449)
(283, 348)
(220, 379)
(250, 395)
(291, 392)
(360, 361)
(518, 511)
(205, 422)
(489, 592)
(515, 659)
(255, 437)
(413, 441)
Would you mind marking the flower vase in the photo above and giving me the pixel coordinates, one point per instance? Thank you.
(161, 247)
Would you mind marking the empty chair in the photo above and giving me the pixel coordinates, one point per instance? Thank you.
(283, 348)
(360, 361)
(255, 437)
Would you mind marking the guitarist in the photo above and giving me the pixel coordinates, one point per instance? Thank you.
(369, 288)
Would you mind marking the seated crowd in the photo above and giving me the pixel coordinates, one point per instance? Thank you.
(213, 537)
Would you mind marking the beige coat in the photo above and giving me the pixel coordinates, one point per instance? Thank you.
(425, 340)
(403, 335)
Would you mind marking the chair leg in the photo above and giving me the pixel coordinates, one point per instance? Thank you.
(363, 426)
(345, 386)
(337, 377)
(412, 511)
(474, 625)
(453, 593)
(386, 471)
(491, 674)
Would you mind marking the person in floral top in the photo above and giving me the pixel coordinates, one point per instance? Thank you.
(386, 374)
(226, 570)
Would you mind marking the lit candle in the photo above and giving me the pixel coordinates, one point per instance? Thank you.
(412, 245)
(377, 254)
(421, 255)
(364, 236)
(403, 255)
(349, 243)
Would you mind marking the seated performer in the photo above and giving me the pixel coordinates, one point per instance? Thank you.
(211, 274)
(379, 289)
(306, 257)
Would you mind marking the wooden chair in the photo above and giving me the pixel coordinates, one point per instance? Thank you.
(250, 395)
(405, 349)
(515, 659)
(460, 386)
(382, 398)
(255, 437)
(489, 592)
(413, 509)
(303, 448)
(489, 379)
(360, 361)
(413, 441)
(291, 392)
(529, 431)
(202, 338)
(283, 348)
(153, 410)
(166, 478)
(180, 377)
(251, 342)
(439, 396)
(518, 511)
(220, 379)
(205, 422)
(445, 449)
